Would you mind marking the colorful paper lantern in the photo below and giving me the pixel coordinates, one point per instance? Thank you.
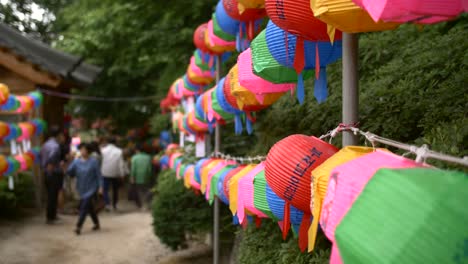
(407, 216)
(213, 189)
(266, 67)
(228, 108)
(258, 86)
(296, 17)
(218, 31)
(204, 173)
(4, 93)
(312, 55)
(260, 200)
(245, 195)
(3, 164)
(288, 170)
(217, 42)
(225, 22)
(220, 186)
(234, 187)
(277, 205)
(212, 172)
(245, 99)
(346, 183)
(244, 4)
(199, 39)
(346, 16)
(227, 179)
(248, 16)
(320, 178)
(417, 11)
(4, 129)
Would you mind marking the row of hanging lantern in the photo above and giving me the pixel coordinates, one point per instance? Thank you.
(356, 192)
(19, 103)
(23, 130)
(19, 162)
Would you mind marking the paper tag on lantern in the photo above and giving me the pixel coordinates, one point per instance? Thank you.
(29, 144)
(190, 138)
(13, 146)
(11, 184)
(25, 145)
(181, 139)
(200, 149)
(190, 104)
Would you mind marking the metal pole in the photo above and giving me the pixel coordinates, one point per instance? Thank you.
(350, 86)
(216, 200)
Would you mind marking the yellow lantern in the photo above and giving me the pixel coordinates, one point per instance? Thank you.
(246, 4)
(4, 130)
(346, 16)
(234, 184)
(3, 164)
(204, 173)
(245, 98)
(320, 179)
(4, 93)
(197, 78)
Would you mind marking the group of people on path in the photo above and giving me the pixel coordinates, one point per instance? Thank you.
(97, 168)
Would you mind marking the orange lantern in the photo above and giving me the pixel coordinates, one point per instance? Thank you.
(4, 93)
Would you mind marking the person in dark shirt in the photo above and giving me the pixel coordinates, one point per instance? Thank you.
(51, 165)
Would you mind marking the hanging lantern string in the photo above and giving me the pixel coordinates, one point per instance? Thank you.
(241, 160)
(422, 152)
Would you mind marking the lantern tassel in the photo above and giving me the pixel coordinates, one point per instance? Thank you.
(258, 222)
(320, 87)
(303, 232)
(238, 124)
(250, 29)
(312, 233)
(286, 220)
(235, 220)
(248, 124)
(300, 88)
(317, 61)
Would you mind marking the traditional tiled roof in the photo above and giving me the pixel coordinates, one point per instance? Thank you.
(67, 66)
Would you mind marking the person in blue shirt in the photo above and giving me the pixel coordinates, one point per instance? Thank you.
(87, 171)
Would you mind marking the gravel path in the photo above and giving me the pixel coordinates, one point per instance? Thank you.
(126, 237)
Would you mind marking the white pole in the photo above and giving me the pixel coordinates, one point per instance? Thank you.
(350, 85)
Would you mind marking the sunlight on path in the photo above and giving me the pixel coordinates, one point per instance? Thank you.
(126, 237)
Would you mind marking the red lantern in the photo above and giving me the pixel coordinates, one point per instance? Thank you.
(250, 14)
(296, 17)
(288, 170)
(199, 39)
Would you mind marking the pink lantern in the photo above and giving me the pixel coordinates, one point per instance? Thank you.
(255, 84)
(217, 41)
(346, 183)
(197, 71)
(417, 11)
(22, 161)
(172, 158)
(245, 199)
(212, 172)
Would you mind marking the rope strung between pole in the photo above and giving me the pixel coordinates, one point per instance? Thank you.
(98, 99)
(241, 160)
(422, 153)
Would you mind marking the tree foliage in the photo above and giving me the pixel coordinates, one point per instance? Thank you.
(142, 45)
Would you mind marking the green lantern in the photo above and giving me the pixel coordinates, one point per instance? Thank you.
(416, 215)
(266, 67)
(260, 199)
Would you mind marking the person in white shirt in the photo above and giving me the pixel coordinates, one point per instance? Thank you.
(112, 170)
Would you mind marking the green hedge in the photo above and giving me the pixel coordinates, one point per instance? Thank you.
(22, 196)
(178, 211)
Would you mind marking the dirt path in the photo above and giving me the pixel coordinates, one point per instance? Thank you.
(126, 237)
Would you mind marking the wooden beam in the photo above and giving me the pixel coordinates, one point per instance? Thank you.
(27, 70)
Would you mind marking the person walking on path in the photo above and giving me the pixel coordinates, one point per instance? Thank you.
(51, 165)
(140, 176)
(112, 170)
(88, 183)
